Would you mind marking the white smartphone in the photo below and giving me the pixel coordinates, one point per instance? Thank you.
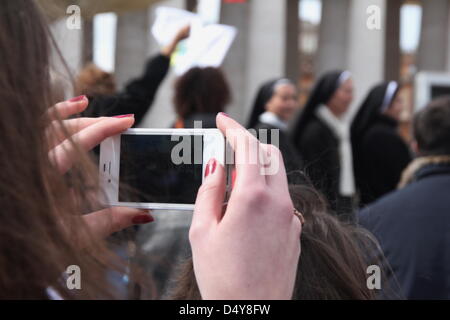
(158, 168)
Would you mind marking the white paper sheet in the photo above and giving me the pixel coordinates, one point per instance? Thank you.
(169, 21)
(206, 46)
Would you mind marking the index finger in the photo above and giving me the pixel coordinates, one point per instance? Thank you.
(58, 131)
(246, 148)
(63, 155)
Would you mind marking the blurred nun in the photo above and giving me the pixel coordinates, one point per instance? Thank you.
(322, 136)
(274, 106)
(379, 153)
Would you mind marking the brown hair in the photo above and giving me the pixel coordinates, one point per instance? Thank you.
(332, 263)
(431, 128)
(93, 81)
(201, 90)
(41, 228)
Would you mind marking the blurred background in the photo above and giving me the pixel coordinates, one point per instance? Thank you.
(298, 39)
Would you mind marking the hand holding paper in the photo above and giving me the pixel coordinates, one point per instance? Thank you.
(207, 45)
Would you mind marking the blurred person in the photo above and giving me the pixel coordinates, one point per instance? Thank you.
(412, 224)
(48, 182)
(95, 82)
(199, 95)
(273, 108)
(379, 153)
(322, 136)
(333, 263)
(137, 96)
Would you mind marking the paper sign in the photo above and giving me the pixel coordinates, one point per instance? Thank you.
(206, 46)
(169, 21)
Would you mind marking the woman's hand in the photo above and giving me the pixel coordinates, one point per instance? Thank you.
(85, 132)
(251, 250)
(88, 133)
(182, 34)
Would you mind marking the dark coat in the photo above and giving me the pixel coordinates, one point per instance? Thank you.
(412, 226)
(136, 97)
(380, 156)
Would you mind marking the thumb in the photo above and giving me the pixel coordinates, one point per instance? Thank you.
(210, 196)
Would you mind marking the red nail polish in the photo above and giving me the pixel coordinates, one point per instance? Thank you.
(224, 114)
(207, 169)
(142, 219)
(210, 167)
(76, 99)
(213, 164)
(125, 115)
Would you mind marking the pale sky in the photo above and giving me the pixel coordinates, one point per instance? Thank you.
(309, 10)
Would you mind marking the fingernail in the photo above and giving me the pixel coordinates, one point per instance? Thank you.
(76, 99)
(213, 164)
(210, 167)
(207, 170)
(142, 219)
(125, 115)
(224, 114)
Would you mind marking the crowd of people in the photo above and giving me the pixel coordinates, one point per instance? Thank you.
(350, 192)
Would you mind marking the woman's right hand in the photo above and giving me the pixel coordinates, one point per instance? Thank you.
(182, 34)
(251, 250)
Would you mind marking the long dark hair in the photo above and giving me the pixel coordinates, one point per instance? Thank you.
(333, 261)
(41, 228)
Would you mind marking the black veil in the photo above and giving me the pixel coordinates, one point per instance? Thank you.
(322, 92)
(264, 94)
(372, 106)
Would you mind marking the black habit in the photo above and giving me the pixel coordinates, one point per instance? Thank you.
(379, 153)
(319, 146)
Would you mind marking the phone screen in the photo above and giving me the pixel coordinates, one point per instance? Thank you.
(160, 168)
